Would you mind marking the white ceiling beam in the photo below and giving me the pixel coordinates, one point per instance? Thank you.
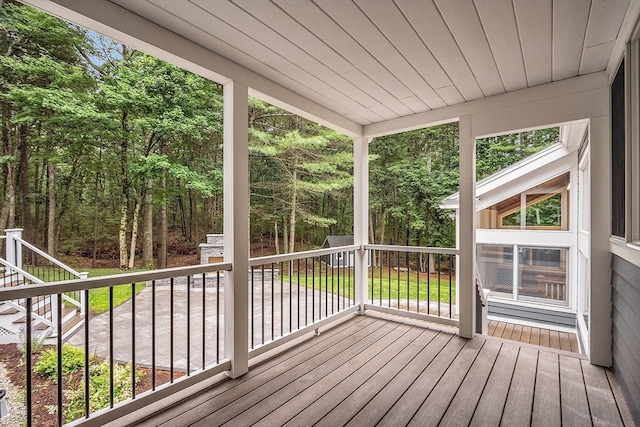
(119, 24)
(514, 110)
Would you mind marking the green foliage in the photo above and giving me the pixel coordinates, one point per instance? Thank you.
(99, 382)
(498, 152)
(72, 361)
(410, 174)
(38, 338)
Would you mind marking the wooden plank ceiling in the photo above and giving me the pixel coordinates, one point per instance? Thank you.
(374, 60)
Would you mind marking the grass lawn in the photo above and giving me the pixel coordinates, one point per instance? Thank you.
(385, 288)
(99, 298)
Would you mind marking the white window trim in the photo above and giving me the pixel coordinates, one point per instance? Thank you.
(633, 141)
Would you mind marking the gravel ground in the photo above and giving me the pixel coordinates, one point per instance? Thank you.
(14, 402)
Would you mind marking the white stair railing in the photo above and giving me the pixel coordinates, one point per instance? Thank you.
(42, 267)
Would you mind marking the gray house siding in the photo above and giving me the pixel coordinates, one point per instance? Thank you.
(625, 280)
(531, 314)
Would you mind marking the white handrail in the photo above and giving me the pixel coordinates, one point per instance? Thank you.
(274, 259)
(419, 249)
(50, 288)
(20, 271)
(48, 257)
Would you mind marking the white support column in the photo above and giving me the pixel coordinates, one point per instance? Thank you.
(236, 226)
(600, 257)
(467, 240)
(361, 216)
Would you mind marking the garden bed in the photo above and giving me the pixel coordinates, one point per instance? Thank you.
(45, 391)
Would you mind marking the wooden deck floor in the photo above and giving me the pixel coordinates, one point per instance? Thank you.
(372, 371)
(531, 335)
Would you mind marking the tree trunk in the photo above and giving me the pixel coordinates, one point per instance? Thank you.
(164, 227)
(285, 236)
(8, 214)
(383, 221)
(292, 220)
(24, 184)
(122, 234)
(96, 209)
(276, 238)
(51, 212)
(192, 228)
(147, 235)
(134, 233)
(39, 177)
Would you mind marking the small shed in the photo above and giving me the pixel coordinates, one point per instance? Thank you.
(339, 259)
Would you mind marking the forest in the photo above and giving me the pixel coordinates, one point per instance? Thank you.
(108, 152)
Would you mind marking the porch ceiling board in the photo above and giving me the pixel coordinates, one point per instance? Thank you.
(464, 23)
(251, 39)
(602, 32)
(368, 62)
(535, 29)
(498, 20)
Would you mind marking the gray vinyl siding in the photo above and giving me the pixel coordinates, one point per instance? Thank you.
(531, 314)
(625, 279)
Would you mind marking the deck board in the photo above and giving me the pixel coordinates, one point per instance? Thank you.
(433, 408)
(377, 371)
(292, 382)
(574, 404)
(491, 405)
(516, 335)
(402, 411)
(600, 396)
(359, 392)
(566, 341)
(468, 395)
(310, 387)
(343, 381)
(378, 406)
(546, 401)
(519, 402)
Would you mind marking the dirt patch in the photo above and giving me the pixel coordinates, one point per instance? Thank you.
(45, 391)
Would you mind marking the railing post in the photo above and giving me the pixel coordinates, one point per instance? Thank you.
(14, 250)
(83, 276)
(361, 217)
(236, 226)
(467, 230)
(56, 327)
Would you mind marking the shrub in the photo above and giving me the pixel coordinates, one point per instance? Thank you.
(99, 389)
(37, 340)
(72, 361)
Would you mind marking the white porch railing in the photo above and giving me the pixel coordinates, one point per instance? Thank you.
(418, 282)
(177, 322)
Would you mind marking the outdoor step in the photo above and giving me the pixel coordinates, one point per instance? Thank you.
(69, 324)
(36, 323)
(8, 309)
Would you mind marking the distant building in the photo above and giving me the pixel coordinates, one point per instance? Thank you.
(339, 259)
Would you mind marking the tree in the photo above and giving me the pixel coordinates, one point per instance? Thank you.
(43, 84)
(309, 163)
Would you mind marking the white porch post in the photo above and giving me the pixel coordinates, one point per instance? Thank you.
(361, 216)
(236, 226)
(467, 230)
(600, 257)
(13, 251)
